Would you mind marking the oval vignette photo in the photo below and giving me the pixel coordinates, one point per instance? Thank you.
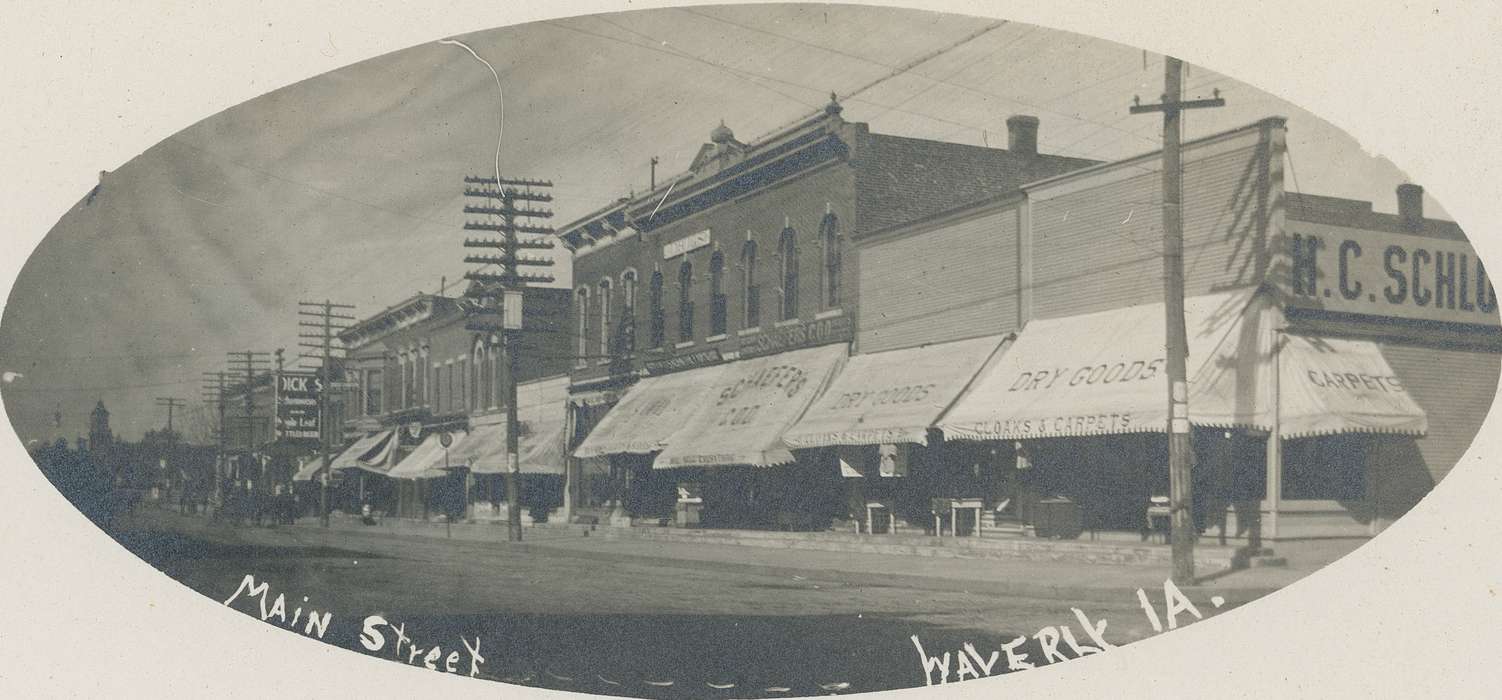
(749, 352)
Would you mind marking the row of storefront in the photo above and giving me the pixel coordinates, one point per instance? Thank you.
(985, 331)
(1008, 354)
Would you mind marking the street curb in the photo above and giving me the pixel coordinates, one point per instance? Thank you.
(369, 542)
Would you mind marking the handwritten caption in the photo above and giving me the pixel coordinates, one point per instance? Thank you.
(1056, 643)
(374, 631)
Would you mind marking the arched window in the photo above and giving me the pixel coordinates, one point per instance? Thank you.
(420, 374)
(685, 302)
(478, 378)
(830, 236)
(627, 326)
(717, 301)
(750, 290)
(605, 319)
(787, 250)
(658, 319)
(492, 360)
(581, 329)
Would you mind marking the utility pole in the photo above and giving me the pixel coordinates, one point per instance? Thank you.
(1180, 452)
(213, 392)
(248, 362)
(325, 327)
(505, 286)
(170, 403)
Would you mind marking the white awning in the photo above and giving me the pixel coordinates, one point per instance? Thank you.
(308, 469)
(650, 413)
(752, 404)
(894, 396)
(428, 460)
(371, 453)
(540, 442)
(1103, 373)
(1339, 385)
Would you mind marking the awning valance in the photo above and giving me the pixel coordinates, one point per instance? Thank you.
(428, 460)
(752, 403)
(1103, 373)
(651, 411)
(893, 396)
(371, 453)
(1340, 385)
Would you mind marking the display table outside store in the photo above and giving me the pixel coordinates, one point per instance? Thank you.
(953, 506)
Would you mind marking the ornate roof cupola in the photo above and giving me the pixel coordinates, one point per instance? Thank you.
(833, 109)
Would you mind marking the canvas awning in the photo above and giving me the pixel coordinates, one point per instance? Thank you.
(1103, 373)
(752, 403)
(428, 460)
(893, 396)
(371, 453)
(651, 412)
(540, 443)
(1340, 385)
(308, 469)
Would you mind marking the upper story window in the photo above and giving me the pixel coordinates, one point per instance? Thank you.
(373, 386)
(658, 321)
(437, 389)
(461, 379)
(787, 251)
(581, 330)
(829, 235)
(420, 374)
(605, 311)
(750, 290)
(480, 378)
(627, 327)
(717, 301)
(685, 302)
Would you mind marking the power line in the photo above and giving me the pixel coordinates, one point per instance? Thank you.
(118, 387)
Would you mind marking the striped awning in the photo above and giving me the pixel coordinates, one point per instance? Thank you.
(371, 453)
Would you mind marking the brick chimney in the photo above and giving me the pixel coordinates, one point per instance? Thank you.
(1022, 134)
(1411, 207)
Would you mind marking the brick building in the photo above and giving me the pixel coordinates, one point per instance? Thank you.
(697, 303)
(420, 378)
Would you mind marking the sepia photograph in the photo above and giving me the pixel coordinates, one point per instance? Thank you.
(747, 351)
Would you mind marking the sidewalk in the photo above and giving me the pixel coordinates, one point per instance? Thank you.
(1058, 580)
(1061, 580)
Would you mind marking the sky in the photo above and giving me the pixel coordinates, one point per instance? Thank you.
(347, 186)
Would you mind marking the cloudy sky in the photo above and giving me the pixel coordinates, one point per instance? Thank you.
(347, 185)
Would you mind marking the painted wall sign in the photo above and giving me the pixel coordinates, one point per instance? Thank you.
(701, 358)
(803, 335)
(297, 405)
(686, 244)
(1390, 275)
